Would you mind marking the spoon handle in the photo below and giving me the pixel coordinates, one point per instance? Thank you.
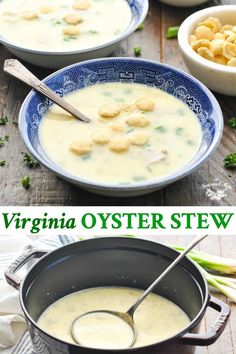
(168, 269)
(19, 71)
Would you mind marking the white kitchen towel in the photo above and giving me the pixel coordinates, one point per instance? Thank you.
(12, 323)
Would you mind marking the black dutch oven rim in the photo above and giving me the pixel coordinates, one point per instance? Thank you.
(185, 337)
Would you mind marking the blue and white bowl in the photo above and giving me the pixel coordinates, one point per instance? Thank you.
(171, 80)
(56, 60)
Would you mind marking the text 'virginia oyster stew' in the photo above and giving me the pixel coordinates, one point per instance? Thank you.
(136, 133)
(63, 25)
(156, 319)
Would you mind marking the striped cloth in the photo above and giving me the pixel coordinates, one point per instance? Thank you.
(24, 345)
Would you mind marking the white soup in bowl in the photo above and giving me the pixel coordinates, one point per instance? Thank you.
(62, 25)
(136, 133)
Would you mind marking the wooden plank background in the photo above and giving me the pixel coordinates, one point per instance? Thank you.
(223, 246)
(47, 189)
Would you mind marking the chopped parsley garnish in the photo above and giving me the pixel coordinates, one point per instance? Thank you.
(2, 163)
(30, 160)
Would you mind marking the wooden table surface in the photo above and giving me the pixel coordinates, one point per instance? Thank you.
(225, 247)
(47, 189)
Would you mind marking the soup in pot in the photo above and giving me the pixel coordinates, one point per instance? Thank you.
(136, 133)
(63, 25)
(156, 319)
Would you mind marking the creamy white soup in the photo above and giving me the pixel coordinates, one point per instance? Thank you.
(156, 319)
(136, 133)
(63, 25)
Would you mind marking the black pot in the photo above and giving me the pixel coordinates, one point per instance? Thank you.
(115, 262)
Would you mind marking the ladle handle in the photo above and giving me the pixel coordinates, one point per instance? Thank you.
(19, 71)
(168, 269)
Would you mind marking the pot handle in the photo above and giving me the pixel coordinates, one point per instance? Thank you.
(215, 331)
(11, 278)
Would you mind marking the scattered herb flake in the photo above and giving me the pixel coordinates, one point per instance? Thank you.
(232, 122)
(137, 51)
(129, 130)
(106, 93)
(69, 38)
(190, 142)
(230, 160)
(181, 112)
(30, 160)
(2, 163)
(93, 31)
(120, 100)
(86, 157)
(56, 21)
(146, 145)
(25, 182)
(139, 178)
(3, 120)
(172, 32)
(3, 140)
(161, 129)
(15, 124)
(179, 131)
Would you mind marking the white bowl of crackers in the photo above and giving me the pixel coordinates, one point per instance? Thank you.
(183, 3)
(207, 40)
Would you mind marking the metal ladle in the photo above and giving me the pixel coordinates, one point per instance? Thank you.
(19, 71)
(128, 317)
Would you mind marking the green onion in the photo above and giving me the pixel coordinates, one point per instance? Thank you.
(172, 32)
(25, 182)
(207, 262)
(137, 51)
(140, 27)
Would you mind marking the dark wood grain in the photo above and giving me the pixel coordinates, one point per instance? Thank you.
(48, 189)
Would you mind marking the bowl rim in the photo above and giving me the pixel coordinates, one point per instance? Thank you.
(184, 33)
(180, 334)
(134, 186)
(129, 30)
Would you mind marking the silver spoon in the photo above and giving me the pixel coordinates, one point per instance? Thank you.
(19, 71)
(128, 317)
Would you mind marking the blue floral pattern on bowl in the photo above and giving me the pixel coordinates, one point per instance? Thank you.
(171, 80)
